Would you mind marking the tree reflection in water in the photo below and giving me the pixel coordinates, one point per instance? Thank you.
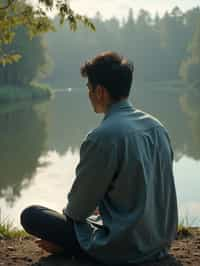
(190, 103)
(22, 138)
(29, 132)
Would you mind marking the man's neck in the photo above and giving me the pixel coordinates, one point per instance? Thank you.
(112, 102)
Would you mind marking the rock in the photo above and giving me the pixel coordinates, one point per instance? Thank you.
(10, 248)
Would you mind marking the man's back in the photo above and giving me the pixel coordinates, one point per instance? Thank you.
(138, 209)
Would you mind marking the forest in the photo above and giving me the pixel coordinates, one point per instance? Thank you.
(162, 48)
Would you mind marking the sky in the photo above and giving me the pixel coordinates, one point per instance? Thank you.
(119, 8)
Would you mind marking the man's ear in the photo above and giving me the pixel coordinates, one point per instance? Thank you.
(99, 92)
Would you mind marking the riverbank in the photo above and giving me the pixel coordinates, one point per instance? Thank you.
(10, 94)
(23, 251)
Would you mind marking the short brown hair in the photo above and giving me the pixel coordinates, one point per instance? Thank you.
(112, 71)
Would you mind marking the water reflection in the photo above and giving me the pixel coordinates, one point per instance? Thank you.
(166, 107)
(39, 145)
(70, 117)
(22, 138)
(190, 104)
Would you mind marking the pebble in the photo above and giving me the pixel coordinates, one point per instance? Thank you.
(175, 248)
(28, 259)
(10, 248)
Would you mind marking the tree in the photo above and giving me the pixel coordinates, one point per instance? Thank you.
(128, 34)
(190, 68)
(17, 12)
(156, 45)
(22, 141)
(34, 59)
(174, 41)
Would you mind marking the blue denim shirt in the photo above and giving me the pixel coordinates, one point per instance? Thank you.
(126, 171)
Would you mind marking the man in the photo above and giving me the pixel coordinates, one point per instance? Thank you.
(124, 175)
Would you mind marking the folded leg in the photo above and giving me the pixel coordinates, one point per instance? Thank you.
(53, 227)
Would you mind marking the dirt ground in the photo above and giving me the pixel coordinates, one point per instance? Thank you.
(25, 252)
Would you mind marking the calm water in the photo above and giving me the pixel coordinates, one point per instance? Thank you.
(39, 147)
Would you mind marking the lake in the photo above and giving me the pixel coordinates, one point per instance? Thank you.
(39, 147)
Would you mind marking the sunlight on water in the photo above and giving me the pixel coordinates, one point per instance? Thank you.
(39, 149)
(187, 173)
(49, 186)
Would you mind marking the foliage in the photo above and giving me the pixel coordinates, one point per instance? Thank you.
(7, 230)
(13, 93)
(185, 227)
(157, 45)
(190, 68)
(12, 15)
(189, 102)
(183, 231)
(17, 12)
(34, 60)
(67, 14)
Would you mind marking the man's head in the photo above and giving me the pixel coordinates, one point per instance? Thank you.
(109, 79)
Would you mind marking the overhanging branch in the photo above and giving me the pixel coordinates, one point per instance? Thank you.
(8, 5)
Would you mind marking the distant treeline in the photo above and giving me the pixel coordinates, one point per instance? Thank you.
(33, 62)
(162, 48)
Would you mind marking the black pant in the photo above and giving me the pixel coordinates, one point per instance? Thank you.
(52, 226)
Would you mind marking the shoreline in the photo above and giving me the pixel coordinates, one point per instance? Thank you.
(13, 94)
(23, 251)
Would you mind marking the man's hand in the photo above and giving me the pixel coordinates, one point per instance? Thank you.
(96, 211)
(48, 246)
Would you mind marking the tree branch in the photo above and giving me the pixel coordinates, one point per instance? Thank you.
(8, 5)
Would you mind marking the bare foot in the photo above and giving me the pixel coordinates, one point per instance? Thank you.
(48, 246)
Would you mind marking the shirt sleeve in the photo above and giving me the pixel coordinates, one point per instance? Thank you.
(94, 174)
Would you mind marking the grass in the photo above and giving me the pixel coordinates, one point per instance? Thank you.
(183, 231)
(8, 231)
(185, 227)
(34, 91)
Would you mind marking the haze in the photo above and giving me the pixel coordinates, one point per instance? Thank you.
(119, 8)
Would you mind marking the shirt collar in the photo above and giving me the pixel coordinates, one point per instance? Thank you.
(119, 106)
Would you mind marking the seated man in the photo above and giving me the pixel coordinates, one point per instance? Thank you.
(125, 171)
